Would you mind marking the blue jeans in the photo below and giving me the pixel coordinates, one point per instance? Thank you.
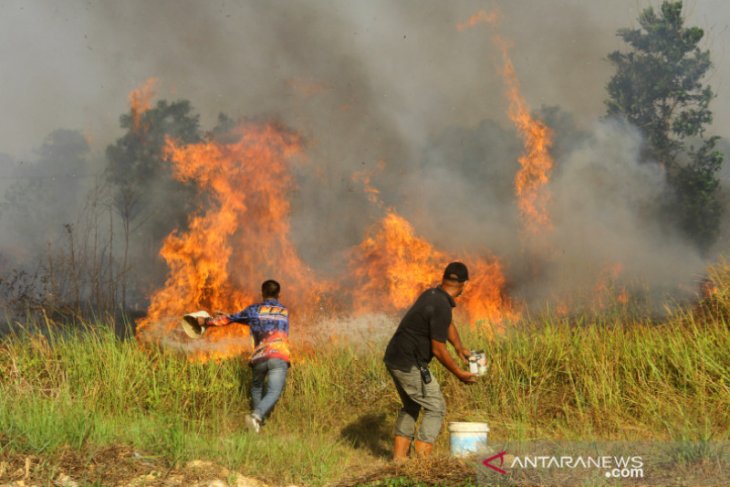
(273, 371)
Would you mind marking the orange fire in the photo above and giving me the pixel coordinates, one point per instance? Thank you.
(365, 178)
(242, 237)
(238, 242)
(140, 100)
(607, 291)
(484, 298)
(536, 163)
(392, 266)
(481, 17)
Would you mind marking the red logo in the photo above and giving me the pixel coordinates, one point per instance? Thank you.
(488, 462)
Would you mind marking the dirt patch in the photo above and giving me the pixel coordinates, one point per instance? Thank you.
(437, 470)
(118, 466)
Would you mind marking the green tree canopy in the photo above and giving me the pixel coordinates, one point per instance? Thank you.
(136, 166)
(149, 201)
(658, 88)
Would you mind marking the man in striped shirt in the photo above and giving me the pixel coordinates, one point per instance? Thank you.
(269, 325)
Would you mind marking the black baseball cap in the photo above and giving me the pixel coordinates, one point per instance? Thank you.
(456, 271)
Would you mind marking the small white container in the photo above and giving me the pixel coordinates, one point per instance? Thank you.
(478, 362)
(467, 438)
(473, 365)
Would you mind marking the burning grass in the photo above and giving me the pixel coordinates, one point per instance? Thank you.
(549, 378)
(243, 229)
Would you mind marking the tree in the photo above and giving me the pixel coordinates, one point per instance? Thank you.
(148, 200)
(47, 192)
(658, 88)
(52, 249)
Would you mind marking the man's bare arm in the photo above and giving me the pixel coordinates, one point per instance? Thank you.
(455, 340)
(442, 354)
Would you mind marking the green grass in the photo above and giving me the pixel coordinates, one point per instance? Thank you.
(549, 379)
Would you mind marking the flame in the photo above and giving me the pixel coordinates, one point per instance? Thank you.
(536, 163)
(239, 241)
(481, 17)
(561, 309)
(484, 298)
(392, 266)
(365, 178)
(242, 238)
(140, 100)
(607, 290)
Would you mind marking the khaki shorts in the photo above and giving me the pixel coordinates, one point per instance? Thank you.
(415, 396)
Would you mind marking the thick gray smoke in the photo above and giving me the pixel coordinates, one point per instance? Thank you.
(603, 202)
(363, 82)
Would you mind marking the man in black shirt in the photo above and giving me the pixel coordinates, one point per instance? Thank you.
(421, 335)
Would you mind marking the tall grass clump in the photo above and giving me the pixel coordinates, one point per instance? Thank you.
(612, 381)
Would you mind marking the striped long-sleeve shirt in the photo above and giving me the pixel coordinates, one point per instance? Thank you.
(269, 324)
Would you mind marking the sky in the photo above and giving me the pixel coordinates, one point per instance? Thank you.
(72, 64)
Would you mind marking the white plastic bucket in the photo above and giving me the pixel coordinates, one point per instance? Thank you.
(468, 438)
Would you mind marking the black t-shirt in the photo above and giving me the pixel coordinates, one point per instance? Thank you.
(428, 319)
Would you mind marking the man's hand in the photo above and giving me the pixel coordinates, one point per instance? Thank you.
(461, 351)
(218, 320)
(439, 351)
(468, 377)
(464, 353)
